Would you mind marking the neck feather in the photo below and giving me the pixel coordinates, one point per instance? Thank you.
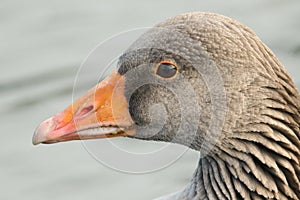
(260, 157)
(258, 160)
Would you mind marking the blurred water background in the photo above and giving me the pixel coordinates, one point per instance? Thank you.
(42, 46)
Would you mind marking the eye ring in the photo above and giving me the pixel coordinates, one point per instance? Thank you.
(166, 70)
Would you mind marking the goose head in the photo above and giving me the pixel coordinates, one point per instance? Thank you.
(205, 81)
(165, 88)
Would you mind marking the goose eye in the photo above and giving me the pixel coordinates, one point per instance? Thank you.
(166, 70)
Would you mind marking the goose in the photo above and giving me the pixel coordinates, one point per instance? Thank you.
(208, 82)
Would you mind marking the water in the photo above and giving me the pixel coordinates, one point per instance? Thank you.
(42, 46)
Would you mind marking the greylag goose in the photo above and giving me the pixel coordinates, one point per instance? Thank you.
(224, 94)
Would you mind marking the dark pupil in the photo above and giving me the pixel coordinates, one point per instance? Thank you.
(166, 70)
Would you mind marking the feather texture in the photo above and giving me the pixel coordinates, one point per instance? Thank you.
(259, 153)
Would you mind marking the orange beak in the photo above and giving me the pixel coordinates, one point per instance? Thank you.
(102, 112)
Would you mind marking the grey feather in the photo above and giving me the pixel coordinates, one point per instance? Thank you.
(257, 154)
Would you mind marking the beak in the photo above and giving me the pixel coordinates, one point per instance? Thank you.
(102, 112)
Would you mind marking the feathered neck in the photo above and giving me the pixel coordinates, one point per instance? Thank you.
(260, 158)
(258, 154)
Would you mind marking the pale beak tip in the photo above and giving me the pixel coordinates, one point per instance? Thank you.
(40, 134)
(35, 142)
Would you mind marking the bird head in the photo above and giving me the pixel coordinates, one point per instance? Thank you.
(207, 82)
(160, 90)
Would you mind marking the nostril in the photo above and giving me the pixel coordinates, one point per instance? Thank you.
(84, 111)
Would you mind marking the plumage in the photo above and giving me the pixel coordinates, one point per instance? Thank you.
(257, 153)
